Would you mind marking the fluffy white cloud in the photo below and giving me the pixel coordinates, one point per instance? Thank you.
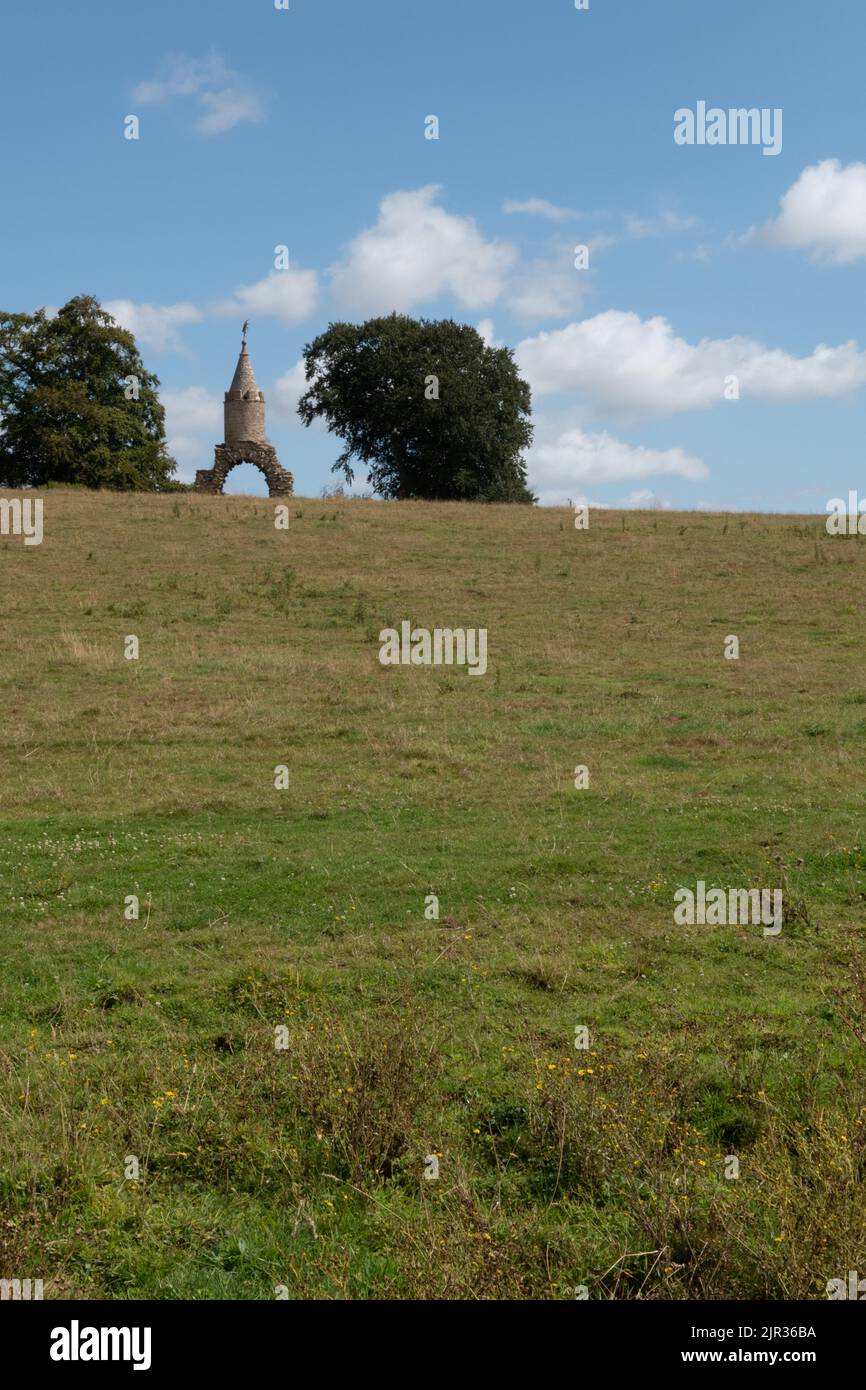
(639, 367)
(577, 458)
(546, 289)
(288, 295)
(416, 252)
(539, 207)
(193, 410)
(824, 210)
(288, 390)
(284, 398)
(154, 325)
(225, 98)
(193, 425)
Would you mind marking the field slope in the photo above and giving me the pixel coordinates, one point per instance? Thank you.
(161, 1139)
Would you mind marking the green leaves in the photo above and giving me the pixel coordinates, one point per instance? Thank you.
(429, 408)
(77, 404)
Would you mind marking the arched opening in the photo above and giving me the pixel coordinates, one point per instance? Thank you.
(262, 457)
(246, 480)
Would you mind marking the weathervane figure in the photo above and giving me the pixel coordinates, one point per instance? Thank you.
(244, 331)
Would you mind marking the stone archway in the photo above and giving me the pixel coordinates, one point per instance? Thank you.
(262, 456)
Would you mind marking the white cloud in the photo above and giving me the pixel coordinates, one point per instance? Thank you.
(193, 425)
(226, 108)
(539, 207)
(416, 252)
(553, 288)
(288, 390)
(546, 289)
(634, 228)
(666, 224)
(225, 98)
(578, 458)
(485, 331)
(647, 500)
(643, 499)
(639, 367)
(824, 210)
(600, 242)
(183, 77)
(700, 252)
(284, 398)
(155, 326)
(193, 410)
(288, 295)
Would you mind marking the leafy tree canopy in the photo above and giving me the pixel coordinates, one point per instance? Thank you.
(429, 408)
(68, 407)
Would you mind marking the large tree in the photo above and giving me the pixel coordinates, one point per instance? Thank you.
(428, 407)
(76, 403)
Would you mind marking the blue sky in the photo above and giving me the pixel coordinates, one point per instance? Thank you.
(306, 128)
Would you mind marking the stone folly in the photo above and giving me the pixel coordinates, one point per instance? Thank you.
(245, 438)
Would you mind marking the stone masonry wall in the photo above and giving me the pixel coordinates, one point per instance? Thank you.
(262, 456)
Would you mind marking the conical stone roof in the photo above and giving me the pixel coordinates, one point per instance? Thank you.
(244, 379)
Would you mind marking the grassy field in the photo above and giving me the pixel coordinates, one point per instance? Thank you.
(301, 1169)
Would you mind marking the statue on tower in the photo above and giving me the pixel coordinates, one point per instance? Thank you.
(244, 332)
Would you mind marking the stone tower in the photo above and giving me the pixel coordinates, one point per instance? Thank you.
(245, 437)
(244, 404)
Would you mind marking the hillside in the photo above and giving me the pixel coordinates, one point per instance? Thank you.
(303, 1166)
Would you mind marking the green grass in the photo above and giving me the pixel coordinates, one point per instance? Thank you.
(303, 1168)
